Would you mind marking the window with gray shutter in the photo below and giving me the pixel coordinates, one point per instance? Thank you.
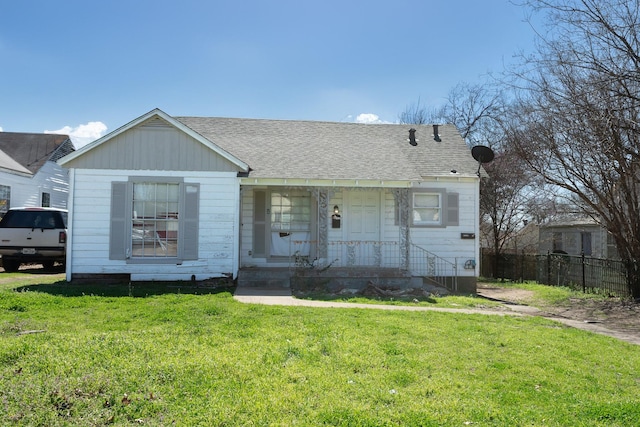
(434, 208)
(154, 220)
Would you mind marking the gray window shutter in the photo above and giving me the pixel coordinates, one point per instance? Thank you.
(118, 243)
(259, 223)
(191, 220)
(453, 211)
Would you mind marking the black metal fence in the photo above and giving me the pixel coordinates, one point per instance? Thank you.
(592, 275)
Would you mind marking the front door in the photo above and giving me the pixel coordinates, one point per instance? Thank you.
(363, 228)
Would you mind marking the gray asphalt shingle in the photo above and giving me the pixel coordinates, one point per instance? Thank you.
(328, 150)
(31, 150)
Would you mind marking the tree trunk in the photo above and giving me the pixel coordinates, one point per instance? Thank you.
(633, 278)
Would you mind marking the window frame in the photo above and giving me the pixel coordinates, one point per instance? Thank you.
(557, 241)
(122, 217)
(5, 195)
(45, 199)
(141, 222)
(442, 208)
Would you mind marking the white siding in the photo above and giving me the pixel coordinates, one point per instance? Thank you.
(27, 191)
(446, 242)
(89, 239)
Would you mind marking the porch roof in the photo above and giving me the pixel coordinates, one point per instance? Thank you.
(283, 149)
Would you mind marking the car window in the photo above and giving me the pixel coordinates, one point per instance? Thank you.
(32, 219)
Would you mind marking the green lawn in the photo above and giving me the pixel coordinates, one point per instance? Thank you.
(146, 355)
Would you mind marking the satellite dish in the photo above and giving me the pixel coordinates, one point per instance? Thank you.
(482, 154)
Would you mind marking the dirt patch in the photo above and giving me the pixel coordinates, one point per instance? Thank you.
(517, 296)
(616, 314)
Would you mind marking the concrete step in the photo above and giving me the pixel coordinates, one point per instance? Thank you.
(267, 278)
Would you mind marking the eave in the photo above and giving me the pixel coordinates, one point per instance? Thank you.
(304, 182)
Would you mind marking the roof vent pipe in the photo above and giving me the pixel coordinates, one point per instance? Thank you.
(436, 135)
(412, 137)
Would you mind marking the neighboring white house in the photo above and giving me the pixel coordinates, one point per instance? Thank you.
(29, 174)
(193, 198)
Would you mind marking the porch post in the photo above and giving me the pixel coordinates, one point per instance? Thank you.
(401, 196)
(322, 196)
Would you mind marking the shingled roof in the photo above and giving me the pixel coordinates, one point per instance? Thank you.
(327, 150)
(26, 153)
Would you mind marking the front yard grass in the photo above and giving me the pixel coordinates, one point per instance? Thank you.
(175, 355)
(545, 295)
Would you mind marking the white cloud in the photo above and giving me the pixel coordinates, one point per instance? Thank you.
(369, 118)
(1, 130)
(82, 134)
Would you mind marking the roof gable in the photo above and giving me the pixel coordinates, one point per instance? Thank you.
(26, 153)
(154, 141)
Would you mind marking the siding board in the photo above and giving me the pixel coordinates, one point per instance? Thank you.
(153, 148)
(217, 248)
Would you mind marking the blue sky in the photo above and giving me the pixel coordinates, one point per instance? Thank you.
(89, 67)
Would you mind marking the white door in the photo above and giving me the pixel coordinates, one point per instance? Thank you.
(363, 227)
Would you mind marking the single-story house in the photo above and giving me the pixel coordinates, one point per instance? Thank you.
(29, 174)
(576, 235)
(195, 198)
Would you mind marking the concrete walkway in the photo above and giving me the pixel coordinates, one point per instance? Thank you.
(282, 296)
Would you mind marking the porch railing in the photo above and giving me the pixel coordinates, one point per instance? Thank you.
(378, 254)
(350, 254)
(434, 268)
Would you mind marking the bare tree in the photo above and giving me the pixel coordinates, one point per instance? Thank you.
(504, 198)
(418, 114)
(475, 110)
(578, 119)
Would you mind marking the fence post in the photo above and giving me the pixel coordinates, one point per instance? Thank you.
(548, 268)
(584, 282)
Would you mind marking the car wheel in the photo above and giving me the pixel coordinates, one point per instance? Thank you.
(10, 265)
(48, 265)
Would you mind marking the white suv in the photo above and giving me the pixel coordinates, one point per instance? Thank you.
(33, 235)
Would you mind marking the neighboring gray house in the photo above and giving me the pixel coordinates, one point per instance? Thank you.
(194, 198)
(29, 174)
(575, 236)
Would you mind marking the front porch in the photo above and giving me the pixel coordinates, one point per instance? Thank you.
(347, 238)
(339, 280)
(350, 267)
